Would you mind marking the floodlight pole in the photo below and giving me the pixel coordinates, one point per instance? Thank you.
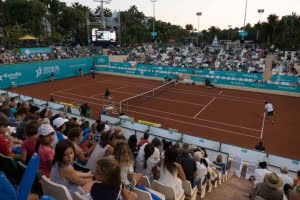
(102, 11)
(153, 26)
(245, 18)
(260, 11)
(198, 14)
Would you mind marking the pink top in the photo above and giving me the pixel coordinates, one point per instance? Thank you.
(29, 145)
(46, 154)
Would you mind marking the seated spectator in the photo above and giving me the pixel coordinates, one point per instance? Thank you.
(62, 171)
(132, 142)
(166, 144)
(100, 150)
(260, 147)
(75, 136)
(297, 180)
(260, 173)
(44, 148)
(201, 168)
(219, 163)
(6, 140)
(171, 173)
(269, 188)
(146, 162)
(188, 164)
(31, 132)
(144, 139)
(208, 84)
(125, 160)
(108, 184)
(286, 179)
(19, 123)
(292, 194)
(59, 126)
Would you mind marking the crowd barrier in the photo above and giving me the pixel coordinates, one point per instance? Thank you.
(213, 148)
(35, 72)
(241, 79)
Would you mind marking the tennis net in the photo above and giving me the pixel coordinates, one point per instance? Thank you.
(140, 98)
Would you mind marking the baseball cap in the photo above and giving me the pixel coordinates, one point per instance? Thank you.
(58, 122)
(45, 129)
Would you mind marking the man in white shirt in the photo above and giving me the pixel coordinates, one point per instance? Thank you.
(259, 174)
(270, 110)
(286, 179)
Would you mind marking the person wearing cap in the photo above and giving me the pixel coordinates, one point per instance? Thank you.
(286, 179)
(44, 149)
(269, 188)
(59, 126)
(260, 173)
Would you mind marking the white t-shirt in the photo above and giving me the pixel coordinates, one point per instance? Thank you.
(269, 107)
(259, 175)
(286, 179)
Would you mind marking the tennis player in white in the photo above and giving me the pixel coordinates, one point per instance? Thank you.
(270, 111)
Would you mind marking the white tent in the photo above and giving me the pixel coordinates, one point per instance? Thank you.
(215, 42)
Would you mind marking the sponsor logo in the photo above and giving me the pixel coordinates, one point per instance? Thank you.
(46, 70)
(10, 76)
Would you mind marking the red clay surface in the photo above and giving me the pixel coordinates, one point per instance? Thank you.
(229, 116)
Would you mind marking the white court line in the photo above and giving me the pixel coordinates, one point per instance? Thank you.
(110, 90)
(263, 125)
(195, 104)
(222, 130)
(200, 119)
(207, 104)
(197, 93)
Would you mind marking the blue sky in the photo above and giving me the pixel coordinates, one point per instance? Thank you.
(219, 13)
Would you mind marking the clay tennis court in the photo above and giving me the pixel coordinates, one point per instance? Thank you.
(229, 116)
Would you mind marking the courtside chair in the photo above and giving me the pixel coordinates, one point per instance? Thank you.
(202, 190)
(258, 198)
(9, 167)
(167, 191)
(236, 168)
(250, 171)
(145, 182)
(28, 177)
(253, 162)
(190, 193)
(57, 191)
(78, 196)
(142, 194)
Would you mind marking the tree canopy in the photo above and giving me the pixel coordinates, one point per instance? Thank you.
(69, 23)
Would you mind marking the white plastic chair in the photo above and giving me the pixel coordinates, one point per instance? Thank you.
(78, 196)
(238, 158)
(236, 168)
(57, 191)
(258, 198)
(190, 193)
(250, 170)
(167, 191)
(253, 162)
(145, 182)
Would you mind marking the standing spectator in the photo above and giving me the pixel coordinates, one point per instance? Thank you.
(51, 78)
(80, 72)
(269, 188)
(144, 139)
(44, 149)
(286, 179)
(93, 73)
(270, 111)
(260, 147)
(31, 132)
